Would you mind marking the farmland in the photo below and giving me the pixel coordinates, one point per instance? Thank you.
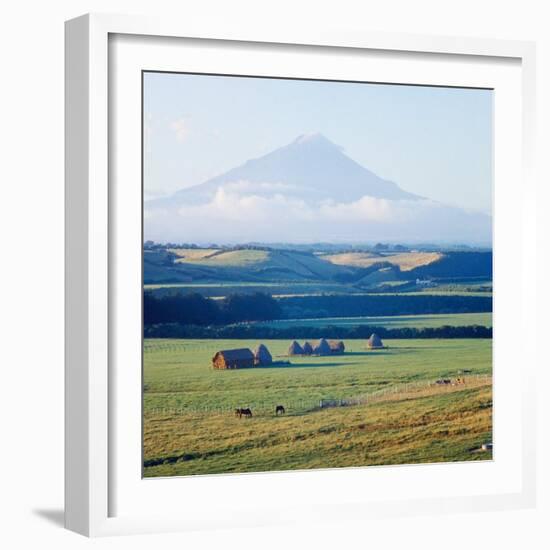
(405, 260)
(391, 321)
(285, 271)
(221, 289)
(397, 417)
(436, 305)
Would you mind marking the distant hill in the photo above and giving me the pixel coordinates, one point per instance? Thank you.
(456, 265)
(181, 265)
(240, 265)
(405, 260)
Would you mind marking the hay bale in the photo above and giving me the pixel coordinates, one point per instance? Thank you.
(295, 349)
(322, 348)
(262, 356)
(337, 346)
(307, 348)
(375, 342)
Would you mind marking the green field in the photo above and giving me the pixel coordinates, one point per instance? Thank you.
(222, 289)
(396, 415)
(437, 292)
(394, 321)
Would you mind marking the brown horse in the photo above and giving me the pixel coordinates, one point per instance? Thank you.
(279, 409)
(243, 412)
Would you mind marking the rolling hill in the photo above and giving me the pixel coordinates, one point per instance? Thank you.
(405, 260)
(239, 265)
(360, 269)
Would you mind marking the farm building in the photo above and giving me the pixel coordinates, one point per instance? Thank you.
(337, 346)
(233, 359)
(262, 356)
(308, 349)
(375, 342)
(295, 349)
(322, 348)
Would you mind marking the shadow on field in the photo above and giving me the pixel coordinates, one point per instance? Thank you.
(373, 352)
(302, 365)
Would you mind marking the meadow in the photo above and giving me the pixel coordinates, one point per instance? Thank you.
(220, 289)
(407, 261)
(395, 414)
(390, 321)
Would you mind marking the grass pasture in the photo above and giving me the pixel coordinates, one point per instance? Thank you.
(214, 257)
(276, 289)
(393, 321)
(407, 261)
(286, 289)
(189, 427)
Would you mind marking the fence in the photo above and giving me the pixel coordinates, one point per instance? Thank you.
(309, 405)
(381, 394)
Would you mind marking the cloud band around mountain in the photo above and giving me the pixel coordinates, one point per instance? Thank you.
(245, 211)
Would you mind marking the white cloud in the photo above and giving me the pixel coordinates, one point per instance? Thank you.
(232, 202)
(272, 212)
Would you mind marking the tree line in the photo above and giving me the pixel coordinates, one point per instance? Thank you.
(355, 305)
(258, 332)
(195, 309)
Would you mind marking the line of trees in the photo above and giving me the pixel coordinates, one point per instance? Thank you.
(195, 309)
(299, 307)
(178, 330)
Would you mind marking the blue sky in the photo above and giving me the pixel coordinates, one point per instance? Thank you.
(435, 142)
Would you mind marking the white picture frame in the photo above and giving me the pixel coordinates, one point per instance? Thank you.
(94, 443)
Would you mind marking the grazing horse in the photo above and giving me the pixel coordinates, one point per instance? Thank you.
(243, 412)
(279, 409)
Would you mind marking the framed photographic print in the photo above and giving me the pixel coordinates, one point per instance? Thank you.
(292, 278)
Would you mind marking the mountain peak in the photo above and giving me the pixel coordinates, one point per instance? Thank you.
(316, 139)
(309, 164)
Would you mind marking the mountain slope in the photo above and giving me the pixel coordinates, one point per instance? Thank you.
(310, 165)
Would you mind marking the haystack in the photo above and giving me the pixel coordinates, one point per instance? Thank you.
(337, 346)
(321, 348)
(375, 342)
(295, 349)
(262, 356)
(308, 349)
